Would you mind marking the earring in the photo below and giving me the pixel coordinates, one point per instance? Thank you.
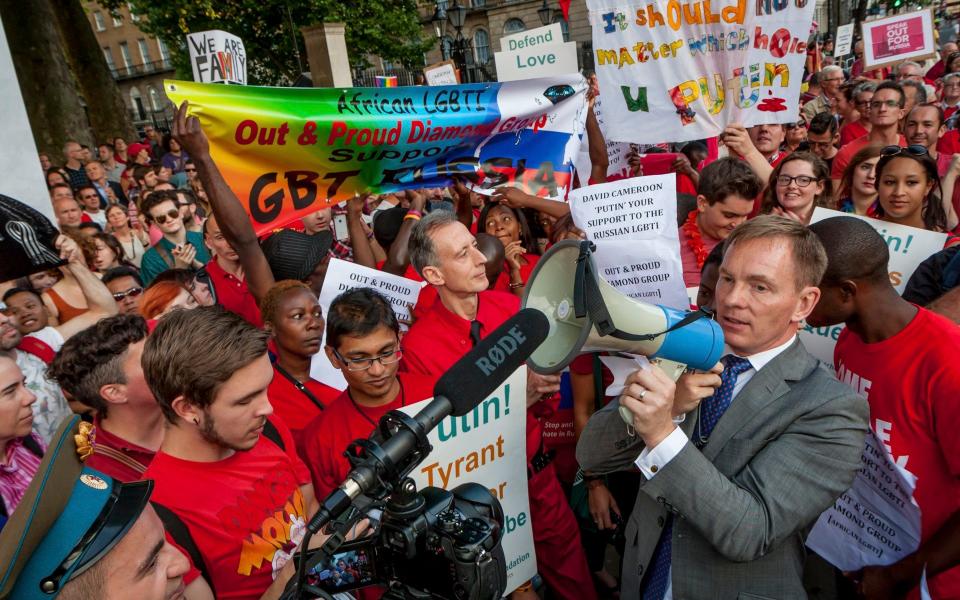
(196, 421)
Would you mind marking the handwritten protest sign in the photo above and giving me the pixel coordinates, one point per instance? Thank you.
(217, 57)
(488, 446)
(618, 153)
(286, 152)
(908, 246)
(443, 73)
(876, 521)
(677, 70)
(899, 37)
(342, 276)
(844, 40)
(633, 223)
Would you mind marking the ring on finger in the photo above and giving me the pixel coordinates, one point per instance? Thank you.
(643, 392)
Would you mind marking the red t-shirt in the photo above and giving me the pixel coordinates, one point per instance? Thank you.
(845, 155)
(245, 513)
(503, 281)
(949, 142)
(233, 294)
(295, 408)
(122, 468)
(913, 388)
(327, 436)
(691, 271)
(852, 131)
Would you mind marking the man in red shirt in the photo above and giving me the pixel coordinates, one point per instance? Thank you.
(888, 355)
(226, 275)
(100, 368)
(445, 254)
(886, 111)
(363, 342)
(225, 472)
(924, 127)
(727, 189)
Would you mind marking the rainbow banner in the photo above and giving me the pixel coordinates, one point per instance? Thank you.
(386, 81)
(286, 152)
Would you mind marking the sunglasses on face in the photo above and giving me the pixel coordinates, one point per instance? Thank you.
(173, 213)
(912, 150)
(797, 124)
(131, 293)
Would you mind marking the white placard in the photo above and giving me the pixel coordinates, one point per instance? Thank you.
(541, 36)
(618, 153)
(489, 446)
(633, 223)
(844, 40)
(876, 521)
(908, 246)
(537, 61)
(444, 73)
(344, 275)
(217, 57)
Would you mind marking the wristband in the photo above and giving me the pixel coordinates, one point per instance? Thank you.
(514, 286)
(411, 217)
(415, 213)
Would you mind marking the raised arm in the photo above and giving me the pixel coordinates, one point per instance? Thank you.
(100, 303)
(515, 198)
(597, 147)
(398, 256)
(232, 219)
(362, 250)
(738, 140)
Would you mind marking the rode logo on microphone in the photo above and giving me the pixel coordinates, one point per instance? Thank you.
(501, 349)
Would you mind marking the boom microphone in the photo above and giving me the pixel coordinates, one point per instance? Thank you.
(465, 385)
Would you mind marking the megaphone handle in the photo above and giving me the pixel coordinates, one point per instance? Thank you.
(673, 370)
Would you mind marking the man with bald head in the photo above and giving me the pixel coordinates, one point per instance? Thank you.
(73, 155)
(66, 209)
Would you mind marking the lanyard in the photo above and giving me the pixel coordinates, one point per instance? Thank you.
(403, 402)
(296, 383)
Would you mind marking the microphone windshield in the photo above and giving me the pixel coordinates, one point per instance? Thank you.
(481, 371)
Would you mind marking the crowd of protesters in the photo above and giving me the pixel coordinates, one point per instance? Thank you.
(187, 341)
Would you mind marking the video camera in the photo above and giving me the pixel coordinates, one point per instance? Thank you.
(431, 543)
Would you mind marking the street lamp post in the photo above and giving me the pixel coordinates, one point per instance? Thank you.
(545, 13)
(456, 15)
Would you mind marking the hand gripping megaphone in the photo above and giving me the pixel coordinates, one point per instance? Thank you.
(588, 314)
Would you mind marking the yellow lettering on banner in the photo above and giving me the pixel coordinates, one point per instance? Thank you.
(605, 57)
(456, 468)
(677, 14)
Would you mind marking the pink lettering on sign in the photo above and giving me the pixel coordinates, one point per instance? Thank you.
(894, 39)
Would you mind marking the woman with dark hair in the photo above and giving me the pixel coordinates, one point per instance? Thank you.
(909, 190)
(857, 193)
(799, 184)
(57, 175)
(510, 226)
(109, 253)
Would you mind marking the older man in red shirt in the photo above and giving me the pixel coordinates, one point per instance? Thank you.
(445, 254)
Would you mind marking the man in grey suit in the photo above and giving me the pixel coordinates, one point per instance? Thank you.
(730, 493)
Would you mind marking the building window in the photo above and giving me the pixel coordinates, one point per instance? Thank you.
(144, 51)
(164, 52)
(154, 95)
(134, 17)
(98, 21)
(108, 56)
(125, 55)
(564, 26)
(137, 103)
(446, 47)
(481, 46)
(513, 26)
(479, 3)
(118, 20)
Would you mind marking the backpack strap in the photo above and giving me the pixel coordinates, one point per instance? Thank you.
(271, 432)
(38, 348)
(181, 535)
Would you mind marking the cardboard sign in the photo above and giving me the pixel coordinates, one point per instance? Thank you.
(443, 73)
(897, 38)
(541, 36)
(844, 40)
(488, 446)
(217, 57)
(675, 72)
(908, 246)
(344, 275)
(617, 152)
(876, 521)
(537, 61)
(633, 223)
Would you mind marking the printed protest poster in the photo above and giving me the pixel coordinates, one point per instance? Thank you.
(443, 73)
(488, 446)
(344, 275)
(217, 57)
(286, 152)
(897, 38)
(908, 246)
(618, 153)
(844, 40)
(537, 61)
(677, 71)
(633, 223)
(876, 521)
(541, 36)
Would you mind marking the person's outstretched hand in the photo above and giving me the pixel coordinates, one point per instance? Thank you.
(187, 131)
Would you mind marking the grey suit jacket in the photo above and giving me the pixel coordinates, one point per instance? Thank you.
(786, 448)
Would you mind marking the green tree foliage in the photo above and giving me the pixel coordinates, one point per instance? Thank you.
(270, 30)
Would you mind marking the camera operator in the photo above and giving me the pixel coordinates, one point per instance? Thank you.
(363, 342)
(445, 254)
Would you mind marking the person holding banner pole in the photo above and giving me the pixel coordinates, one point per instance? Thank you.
(885, 354)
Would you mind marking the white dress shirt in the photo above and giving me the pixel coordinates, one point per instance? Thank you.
(651, 460)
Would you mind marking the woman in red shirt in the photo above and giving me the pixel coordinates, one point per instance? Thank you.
(510, 226)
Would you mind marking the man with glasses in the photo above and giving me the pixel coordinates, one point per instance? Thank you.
(89, 200)
(950, 95)
(830, 80)
(127, 289)
(886, 111)
(178, 248)
(363, 342)
(823, 136)
(860, 95)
